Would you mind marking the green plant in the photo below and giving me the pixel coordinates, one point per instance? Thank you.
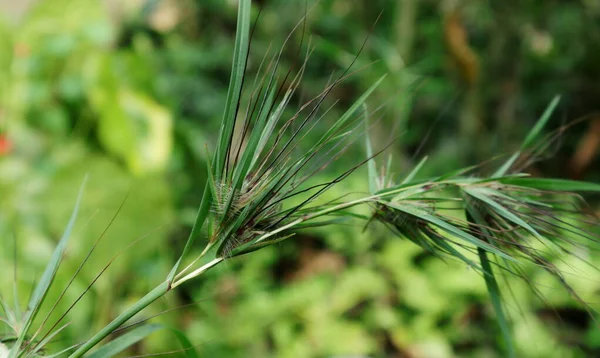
(259, 192)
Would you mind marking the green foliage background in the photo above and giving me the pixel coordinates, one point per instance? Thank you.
(130, 92)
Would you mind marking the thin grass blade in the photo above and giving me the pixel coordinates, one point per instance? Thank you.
(188, 347)
(49, 338)
(474, 216)
(242, 40)
(242, 168)
(372, 170)
(414, 172)
(564, 185)
(268, 129)
(47, 278)
(541, 123)
(531, 137)
(125, 341)
(351, 111)
(494, 292)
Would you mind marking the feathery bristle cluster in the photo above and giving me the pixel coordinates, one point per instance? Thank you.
(516, 218)
(262, 161)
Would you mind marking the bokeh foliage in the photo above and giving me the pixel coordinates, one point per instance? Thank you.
(130, 92)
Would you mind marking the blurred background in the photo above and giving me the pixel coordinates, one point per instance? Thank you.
(132, 91)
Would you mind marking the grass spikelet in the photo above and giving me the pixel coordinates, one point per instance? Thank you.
(516, 219)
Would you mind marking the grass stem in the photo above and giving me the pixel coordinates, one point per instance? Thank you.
(152, 296)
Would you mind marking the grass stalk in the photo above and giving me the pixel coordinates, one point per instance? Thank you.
(198, 271)
(144, 302)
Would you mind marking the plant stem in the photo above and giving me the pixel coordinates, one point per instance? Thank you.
(203, 211)
(338, 207)
(206, 249)
(315, 215)
(197, 272)
(152, 296)
(165, 287)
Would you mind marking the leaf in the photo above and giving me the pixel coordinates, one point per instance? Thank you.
(188, 347)
(125, 341)
(47, 278)
(269, 127)
(506, 166)
(51, 336)
(257, 135)
(494, 292)
(456, 173)
(238, 69)
(474, 216)
(398, 188)
(372, 170)
(541, 123)
(210, 182)
(414, 172)
(553, 184)
(533, 134)
(350, 112)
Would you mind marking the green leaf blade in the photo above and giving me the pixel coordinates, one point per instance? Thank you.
(563, 185)
(414, 172)
(541, 123)
(495, 295)
(531, 137)
(47, 277)
(242, 42)
(371, 169)
(125, 341)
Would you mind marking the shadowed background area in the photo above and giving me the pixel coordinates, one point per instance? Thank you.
(130, 92)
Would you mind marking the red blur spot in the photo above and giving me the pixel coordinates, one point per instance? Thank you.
(5, 145)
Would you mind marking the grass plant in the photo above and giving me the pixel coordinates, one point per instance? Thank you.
(260, 191)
